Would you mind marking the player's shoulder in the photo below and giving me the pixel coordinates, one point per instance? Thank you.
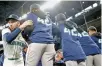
(5, 30)
(31, 16)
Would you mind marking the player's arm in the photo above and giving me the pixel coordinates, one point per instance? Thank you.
(55, 30)
(57, 35)
(29, 29)
(9, 37)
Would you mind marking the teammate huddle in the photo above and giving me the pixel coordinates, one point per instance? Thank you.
(36, 33)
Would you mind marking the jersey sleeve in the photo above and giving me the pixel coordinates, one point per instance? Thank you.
(4, 31)
(10, 36)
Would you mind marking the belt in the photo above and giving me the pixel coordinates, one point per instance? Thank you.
(94, 54)
(81, 60)
(45, 42)
(13, 58)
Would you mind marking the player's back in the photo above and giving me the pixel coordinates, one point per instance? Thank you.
(42, 29)
(88, 45)
(72, 49)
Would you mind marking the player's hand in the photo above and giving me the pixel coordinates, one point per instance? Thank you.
(25, 24)
(58, 57)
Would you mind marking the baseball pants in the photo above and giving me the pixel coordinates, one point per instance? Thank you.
(94, 60)
(19, 62)
(36, 51)
(75, 63)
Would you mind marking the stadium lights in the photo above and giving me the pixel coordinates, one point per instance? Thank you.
(86, 10)
(95, 5)
(49, 4)
(69, 18)
(83, 2)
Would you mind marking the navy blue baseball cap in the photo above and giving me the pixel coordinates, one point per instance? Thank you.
(12, 16)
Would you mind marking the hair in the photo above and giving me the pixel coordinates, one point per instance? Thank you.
(92, 28)
(60, 17)
(34, 7)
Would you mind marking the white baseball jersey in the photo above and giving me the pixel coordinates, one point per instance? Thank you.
(13, 49)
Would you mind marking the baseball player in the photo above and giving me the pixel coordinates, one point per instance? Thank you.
(13, 42)
(90, 48)
(96, 36)
(41, 40)
(72, 50)
(56, 37)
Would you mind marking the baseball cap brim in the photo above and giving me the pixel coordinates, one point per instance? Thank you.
(10, 19)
